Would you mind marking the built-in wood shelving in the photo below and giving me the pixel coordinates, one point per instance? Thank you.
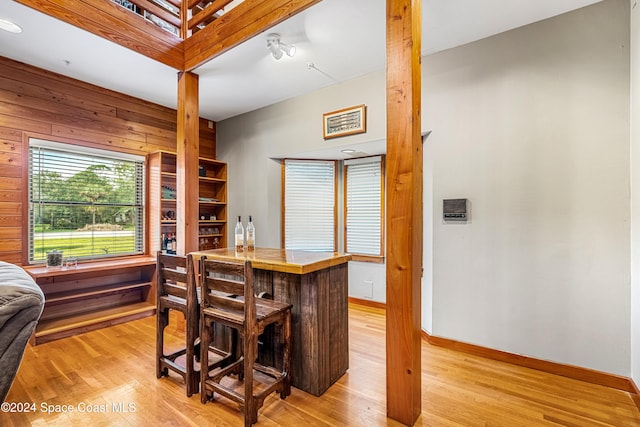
(94, 295)
(213, 204)
(212, 213)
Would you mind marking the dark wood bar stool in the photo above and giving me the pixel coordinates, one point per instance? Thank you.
(228, 299)
(177, 290)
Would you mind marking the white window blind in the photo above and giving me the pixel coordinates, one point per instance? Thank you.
(86, 203)
(309, 205)
(364, 181)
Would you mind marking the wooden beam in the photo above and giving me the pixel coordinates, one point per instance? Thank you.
(404, 210)
(112, 22)
(187, 149)
(249, 18)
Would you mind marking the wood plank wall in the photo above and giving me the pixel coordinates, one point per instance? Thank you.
(35, 102)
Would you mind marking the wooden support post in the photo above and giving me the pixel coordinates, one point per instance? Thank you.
(404, 210)
(187, 150)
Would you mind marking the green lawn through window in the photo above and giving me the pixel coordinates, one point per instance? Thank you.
(79, 246)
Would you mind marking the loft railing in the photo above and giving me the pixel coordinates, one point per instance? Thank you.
(196, 30)
(169, 15)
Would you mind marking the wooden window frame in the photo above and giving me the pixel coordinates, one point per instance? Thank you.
(26, 178)
(335, 198)
(367, 257)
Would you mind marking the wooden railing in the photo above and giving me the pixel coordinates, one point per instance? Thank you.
(182, 34)
(182, 18)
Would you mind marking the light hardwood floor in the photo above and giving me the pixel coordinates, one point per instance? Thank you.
(112, 370)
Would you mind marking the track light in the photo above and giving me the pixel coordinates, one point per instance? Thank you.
(277, 48)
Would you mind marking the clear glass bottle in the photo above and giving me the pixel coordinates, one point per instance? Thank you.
(251, 236)
(239, 235)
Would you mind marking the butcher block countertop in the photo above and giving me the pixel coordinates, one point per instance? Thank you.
(285, 261)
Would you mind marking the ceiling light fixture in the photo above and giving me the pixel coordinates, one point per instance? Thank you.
(348, 151)
(10, 26)
(277, 48)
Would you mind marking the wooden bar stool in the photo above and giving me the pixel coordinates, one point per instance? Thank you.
(177, 290)
(228, 299)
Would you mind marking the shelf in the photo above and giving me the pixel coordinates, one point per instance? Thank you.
(213, 180)
(74, 295)
(215, 170)
(62, 327)
(212, 161)
(41, 272)
(210, 235)
(94, 295)
(212, 197)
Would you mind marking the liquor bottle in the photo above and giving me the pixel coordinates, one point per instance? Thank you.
(251, 236)
(163, 243)
(239, 236)
(169, 244)
(174, 245)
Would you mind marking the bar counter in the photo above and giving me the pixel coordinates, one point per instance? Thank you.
(316, 284)
(284, 261)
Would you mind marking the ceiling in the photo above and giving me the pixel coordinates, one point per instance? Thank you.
(336, 40)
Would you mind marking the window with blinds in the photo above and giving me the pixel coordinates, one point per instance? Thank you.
(310, 205)
(86, 203)
(364, 202)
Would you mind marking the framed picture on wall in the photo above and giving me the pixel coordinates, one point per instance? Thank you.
(347, 121)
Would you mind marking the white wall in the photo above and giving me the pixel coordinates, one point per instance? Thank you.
(429, 214)
(532, 126)
(635, 192)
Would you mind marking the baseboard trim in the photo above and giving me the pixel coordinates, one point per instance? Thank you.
(617, 382)
(635, 394)
(368, 303)
(575, 372)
